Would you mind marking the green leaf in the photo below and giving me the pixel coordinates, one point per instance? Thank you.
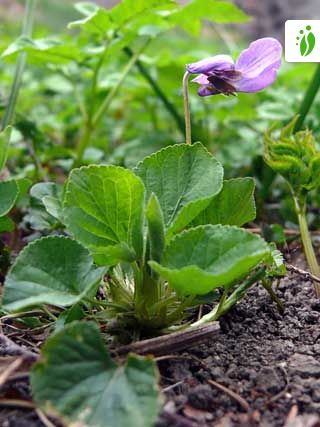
(9, 192)
(223, 12)
(78, 379)
(52, 270)
(234, 205)
(96, 20)
(103, 208)
(276, 265)
(206, 257)
(5, 135)
(50, 194)
(6, 224)
(126, 10)
(70, 315)
(156, 231)
(86, 8)
(184, 178)
(47, 50)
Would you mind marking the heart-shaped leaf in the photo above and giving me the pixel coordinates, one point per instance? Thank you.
(103, 209)
(53, 270)
(206, 257)
(78, 379)
(184, 178)
(9, 192)
(234, 205)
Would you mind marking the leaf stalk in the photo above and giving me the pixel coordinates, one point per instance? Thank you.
(236, 296)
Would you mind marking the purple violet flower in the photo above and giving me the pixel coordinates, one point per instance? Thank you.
(255, 69)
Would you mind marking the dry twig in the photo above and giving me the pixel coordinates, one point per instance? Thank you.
(242, 402)
(304, 273)
(174, 342)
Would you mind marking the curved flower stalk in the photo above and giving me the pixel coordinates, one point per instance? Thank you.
(255, 69)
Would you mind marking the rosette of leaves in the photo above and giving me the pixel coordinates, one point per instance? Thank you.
(296, 158)
(166, 232)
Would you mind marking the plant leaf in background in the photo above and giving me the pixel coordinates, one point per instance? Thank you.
(50, 194)
(9, 192)
(234, 205)
(184, 178)
(206, 257)
(44, 50)
(52, 270)
(191, 15)
(96, 18)
(78, 379)
(103, 209)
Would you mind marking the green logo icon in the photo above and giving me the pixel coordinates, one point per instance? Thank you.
(306, 40)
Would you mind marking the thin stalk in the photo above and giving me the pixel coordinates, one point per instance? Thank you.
(268, 287)
(49, 314)
(158, 91)
(94, 119)
(95, 77)
(236, 296)
(21, 62)
(221, 303)
(186, 104)
(307, 242)
(105, 104)
(83, 142)
(308, 99)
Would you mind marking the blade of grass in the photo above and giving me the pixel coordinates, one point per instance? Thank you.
(21, 62)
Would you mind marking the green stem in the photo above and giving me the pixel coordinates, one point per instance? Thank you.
(83, 142)
(300, 207)
(308, 99)
(21, 62)
(186, 104)
(105, 104)
(236, 296)
(94, 119)
(158, 91)
(268, 287)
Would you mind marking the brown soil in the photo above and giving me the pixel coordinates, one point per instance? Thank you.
(270, 361)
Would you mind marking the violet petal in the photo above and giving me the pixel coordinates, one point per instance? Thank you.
(259, 82)
(260, 55)
(201, 79)
(205, 66)
(207, 90)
